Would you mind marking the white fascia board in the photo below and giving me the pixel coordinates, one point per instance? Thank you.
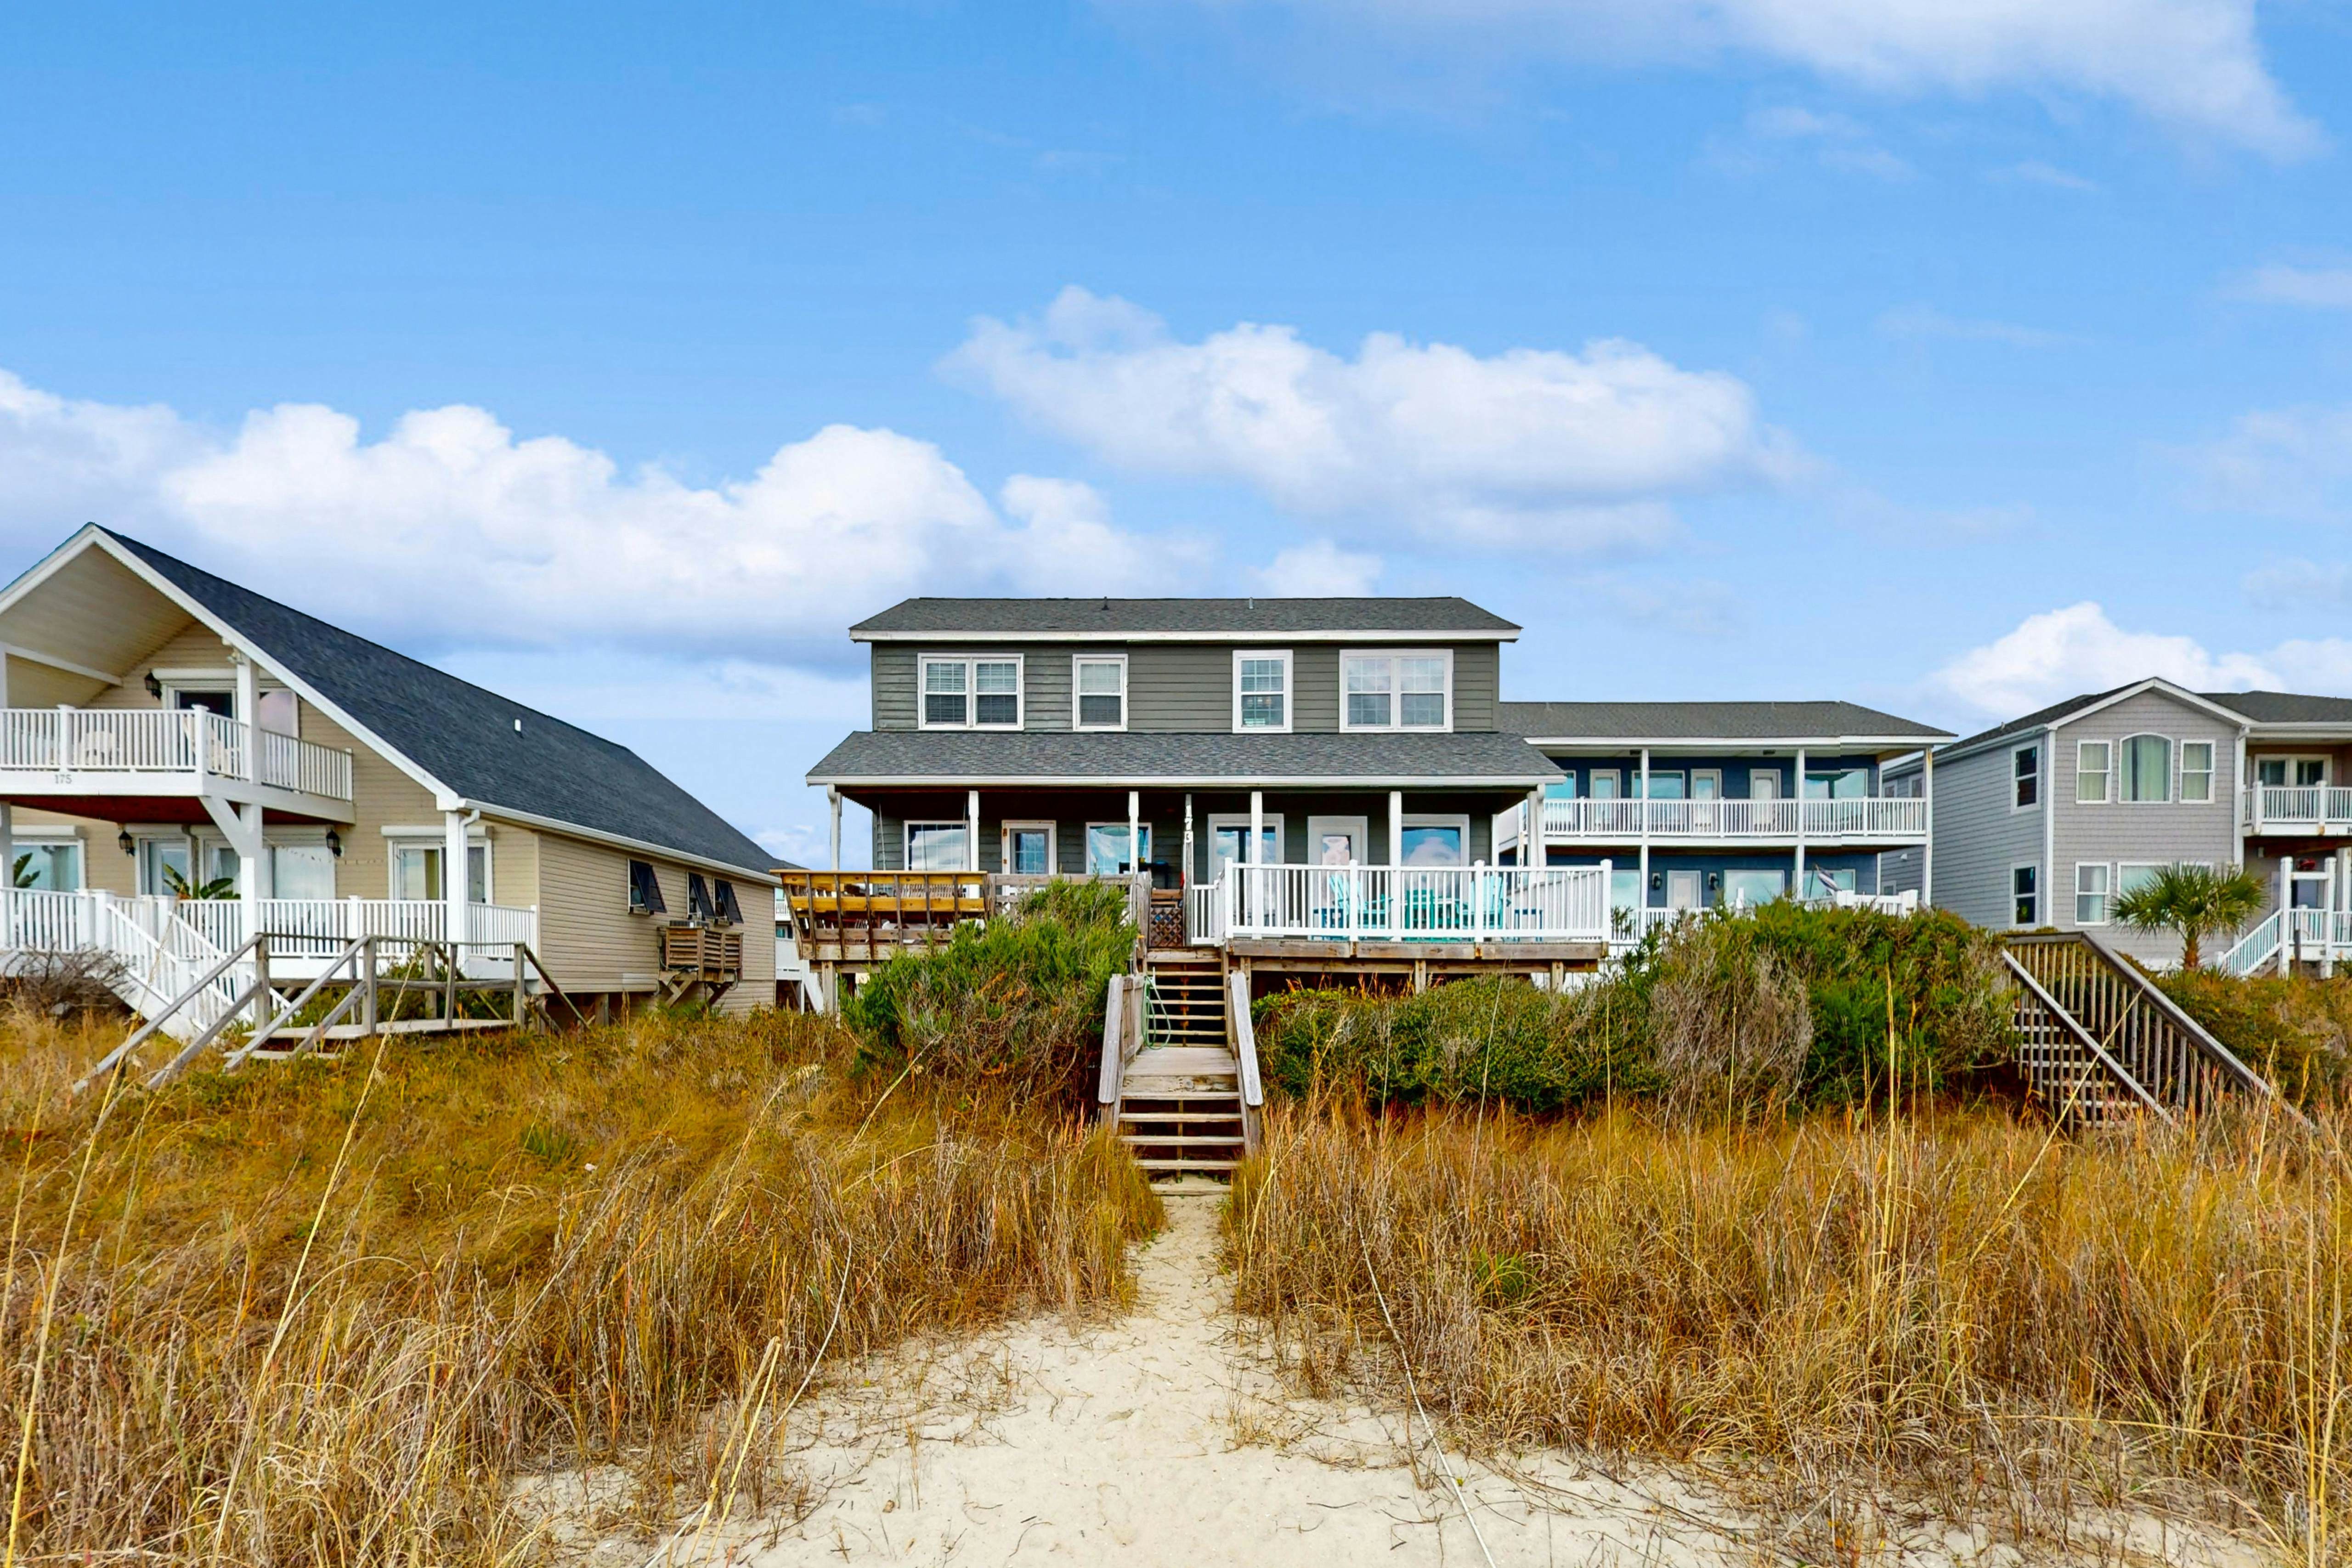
(2307, 730)
(1180, 780)
(1237, 639)
(2007, 737)
(615, 840)
(1742, 744)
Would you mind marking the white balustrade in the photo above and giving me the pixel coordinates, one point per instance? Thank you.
(186, 741)
(1868, 817)
(1453, 903)
(2294, 808)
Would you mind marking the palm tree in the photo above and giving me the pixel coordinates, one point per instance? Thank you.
(2196, 901)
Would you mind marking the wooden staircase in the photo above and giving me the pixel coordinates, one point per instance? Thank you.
(1180, 1109)
(2099, 1042)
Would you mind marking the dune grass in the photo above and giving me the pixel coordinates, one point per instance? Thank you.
(332, 1312)
(1968, 1312)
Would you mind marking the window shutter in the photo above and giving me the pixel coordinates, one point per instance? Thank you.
(697, 896)
(728, 910)
(645, 891)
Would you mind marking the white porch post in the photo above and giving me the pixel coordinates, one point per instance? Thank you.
(1256, 855)
(252, 869)
(2237, 804)
(972, 830)
(1642, 818)
(2286, 914)
(453, 874)
(8, 846)
(1396, 827)
(833, 799)
(1797, 890)
(1531, 842)
(1928, 811)
(1184, 877)
(1134, 832)
(248, 712)
(2328, 925)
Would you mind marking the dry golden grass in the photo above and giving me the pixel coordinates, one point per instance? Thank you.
(330, 1312)
(1967, 1316)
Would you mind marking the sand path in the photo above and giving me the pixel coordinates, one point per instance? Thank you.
(1164, 1437)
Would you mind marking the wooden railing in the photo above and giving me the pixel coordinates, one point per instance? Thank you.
(706, 952)
(63, 741)
(2126, 1028)
(860, 917)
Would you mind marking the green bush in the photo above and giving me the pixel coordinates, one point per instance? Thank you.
(1016, 1003)
(1723, 1014)
(2295, 1030)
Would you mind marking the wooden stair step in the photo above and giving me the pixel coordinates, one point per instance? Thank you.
(1173, 1141)
(1234, 1115)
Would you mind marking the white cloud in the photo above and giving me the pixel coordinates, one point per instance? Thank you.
(2064, 653)
(1838, 141)
(2194, 64)
(1319, 570)
(449, 530)
(2285, 462)
(2314, 287)
(1524, 447)
(1916, 323)
(2034, 172)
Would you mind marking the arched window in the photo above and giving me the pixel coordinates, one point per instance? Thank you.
(2146, 768)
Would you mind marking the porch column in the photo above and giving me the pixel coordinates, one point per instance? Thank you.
(8, 845)
(1256, 854)
(833, 799)
(2328, 925)
(248, 709)
(453, 875)
(1797, 889)
(1531, 842)
(1184, 877)
(972, 830)
(1927, 810)
(252, 868)
(1135, 832)
(1642, 824)
(1396, 827)
(2286, 914)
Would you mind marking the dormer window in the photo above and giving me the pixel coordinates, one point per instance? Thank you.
(1403, 691)
(961, 693)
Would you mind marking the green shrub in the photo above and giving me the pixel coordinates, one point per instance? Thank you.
(2295, 1030)
(1016, 1004)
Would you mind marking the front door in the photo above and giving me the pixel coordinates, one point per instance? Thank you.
(1682, 890)
(1336, 840)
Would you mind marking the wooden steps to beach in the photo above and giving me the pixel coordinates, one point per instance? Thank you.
(1180, 1109)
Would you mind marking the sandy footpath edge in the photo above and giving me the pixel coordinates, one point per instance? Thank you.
(1162, 1438)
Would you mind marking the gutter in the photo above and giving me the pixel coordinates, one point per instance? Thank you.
(615, 840)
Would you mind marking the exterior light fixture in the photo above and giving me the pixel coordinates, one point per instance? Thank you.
(1657, 881)
(129, 845)
(155, 687)
(334, 844)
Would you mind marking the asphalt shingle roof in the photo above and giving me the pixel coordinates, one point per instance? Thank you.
(464, 736)
(1167, 617)
(1711, 721)
(971, 757)
(2285, 706)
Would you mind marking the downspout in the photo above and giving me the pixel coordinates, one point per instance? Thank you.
(2046, 903)
(1927, 848)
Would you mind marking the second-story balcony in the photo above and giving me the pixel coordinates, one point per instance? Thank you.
(2299, 810)
(95, 753)
(1854, 819)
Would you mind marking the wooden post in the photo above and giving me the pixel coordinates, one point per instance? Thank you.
(449, 986)
(1928, 811)
(518, 999)
(368, 1003)
(261, 1003)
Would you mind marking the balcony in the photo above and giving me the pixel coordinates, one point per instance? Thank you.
(149, 753)
(2299, 811)
(1861, 819)
(1386, 903)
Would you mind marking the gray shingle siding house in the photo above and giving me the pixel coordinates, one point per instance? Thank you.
(1009, 734)
(2045, 819)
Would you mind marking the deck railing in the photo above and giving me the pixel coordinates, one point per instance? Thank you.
(2298, 807)
(1871, 817)
(1449, 903)
(181, 740)
(321, 928)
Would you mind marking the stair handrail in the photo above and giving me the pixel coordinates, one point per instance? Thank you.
(2074, 1025)
(2217, 1054)
(2228, 962)
(236, 1058)
(1245, 1039)
(1114, 1055)
(139, 1036)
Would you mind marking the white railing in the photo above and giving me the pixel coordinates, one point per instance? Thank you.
(2315, 936)
(1203, 914)
(187, 741)
(1871, 817)
(2296, 806)
(1453, 903)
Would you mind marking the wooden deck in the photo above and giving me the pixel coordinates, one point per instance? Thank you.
(855, 920)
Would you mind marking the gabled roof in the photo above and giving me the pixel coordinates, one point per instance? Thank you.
(971, 759)
(2223, 705)
(1132, 620)
(1776, 723)
(462, 740)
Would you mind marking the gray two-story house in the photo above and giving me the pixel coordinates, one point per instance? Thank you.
(2046, 820)
(1724, 805)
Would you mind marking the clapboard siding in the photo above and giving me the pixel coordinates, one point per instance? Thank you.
(593, 943)
(1978, 838)
(1181, 687)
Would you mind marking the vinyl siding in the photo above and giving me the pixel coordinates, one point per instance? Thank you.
(593, 943)
(1979, 838)
(2137, 832)
(1175, 686)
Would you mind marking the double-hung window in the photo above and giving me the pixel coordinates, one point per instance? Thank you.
(2092, 880)
(1403, 691)
(2025, 775)
(2093, 763)
(1262, 690)
(2148, 769)
(965, 692)
(2197, 771)
(2025, 895)
(1101, 692)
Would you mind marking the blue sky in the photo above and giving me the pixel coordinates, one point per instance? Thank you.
(1946, 356)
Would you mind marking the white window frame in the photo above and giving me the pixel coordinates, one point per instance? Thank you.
(404, 835)
(1289, 691)
(1077, 697)
(2041, 781)
(2171, 767)
(2038, 896)
(2104, 892)
(1240, 820)
(51, 838)
(2180, 770)
(1361, 826)
(2122, 867)
(2104, 773)
(1004, 846)
(1616, 777)
(1396, 724)
(1650, 781)
(1698, 774)
(907, 840)
(1414, 819)
(972, 689)
(2319, 757)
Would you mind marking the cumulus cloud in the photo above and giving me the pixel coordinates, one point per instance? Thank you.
(2313, 287)
(451, 532)
(1320, 570)
(2194, 64)
(2285, 462)
(2064, 653)
(1529, 447)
